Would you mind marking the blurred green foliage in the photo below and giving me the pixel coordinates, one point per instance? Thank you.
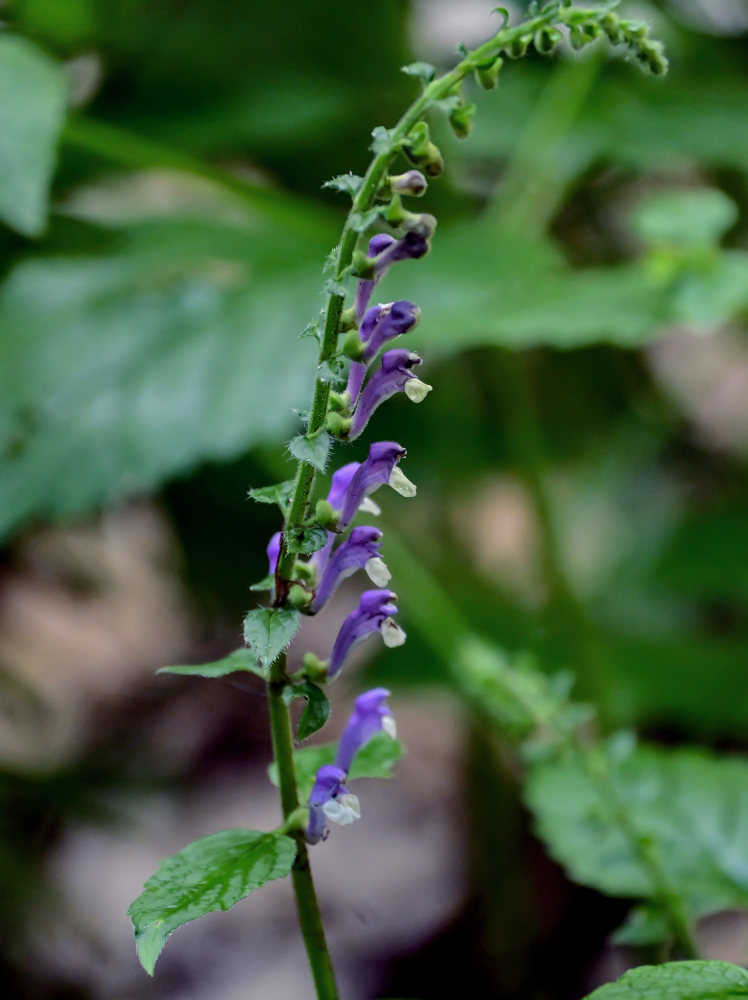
(149, 335)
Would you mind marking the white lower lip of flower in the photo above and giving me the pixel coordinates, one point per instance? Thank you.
(392, 634)
(367, 506)
(377, 572)
(388, 725)
(401, 484)
(416, 390)
(343, 810)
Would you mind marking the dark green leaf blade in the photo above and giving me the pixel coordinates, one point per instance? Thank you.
(316, 711)
(691, 806)
(33, 92)
(212, 873)
(240, 659)
(306, 539)
(678, 981)
(268, 631)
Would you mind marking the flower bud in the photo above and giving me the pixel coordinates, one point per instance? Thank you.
(547, 39)
(352, 346)
(611, 25)
(518, 48)
(337, 424)
(412, 182)
(487, 74)
(324, 514)
(461, 119)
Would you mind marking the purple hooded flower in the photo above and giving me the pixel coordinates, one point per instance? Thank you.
(373, 614)
(394, 375)
(330, 798)
(394, 320)
(380, 467)
(387, 251)
(273, 551)
(359, 551)
(370, 716)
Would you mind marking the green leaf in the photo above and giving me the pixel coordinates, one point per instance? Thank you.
(678, 981)
(694, 217)
(33, 92)
(266, 583)
(316, 711)
(422, 71)
(200, 360)
(334, 287)
(268, 631)
(375, 759)
(691, 806)
(313, 450)
(278, 493)
(345, 183)
(360, 221)
(212, 873)
(306, 539)
(240, 659)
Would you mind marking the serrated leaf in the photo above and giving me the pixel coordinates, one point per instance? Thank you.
(240, 659)
(212, 873)
(360, 221)
(313, 450)
(375, 759)
(316, 710)
(691, 806)
(33, 90)
(306, 539)
(278, 493)
(422, 71)
(678, 981)
(268, 632)
(345, 183)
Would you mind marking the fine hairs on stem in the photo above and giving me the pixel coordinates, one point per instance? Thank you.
(318, 545)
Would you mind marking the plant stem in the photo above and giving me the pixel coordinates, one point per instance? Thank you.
(307, 906)
(435, 91)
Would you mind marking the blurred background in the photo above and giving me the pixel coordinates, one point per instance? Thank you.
(581, 466)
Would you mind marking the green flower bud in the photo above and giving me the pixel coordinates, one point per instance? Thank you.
(582, 34)
(353, 346)
(487, 74)
(314, 668)
(324, 514)
(547, 39)
(337, 424)
(519, 47)
(461, 119)
(423, 224)
(347, 320)
(299, 596)
(611, 25)
(362, 266)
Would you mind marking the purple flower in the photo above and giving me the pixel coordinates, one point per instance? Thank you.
(392, 321)
(356, 374)
(380, 467)
(341, 480)
(273, 551)
(359, 551)
(394, 375)
(330, 798)
(387, 251)
(373, 614)
(370, 716)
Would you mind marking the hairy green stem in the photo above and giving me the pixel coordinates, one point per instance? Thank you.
(307, 906)
(435, 91)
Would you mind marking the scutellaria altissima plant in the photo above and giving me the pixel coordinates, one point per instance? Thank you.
(361, 365)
